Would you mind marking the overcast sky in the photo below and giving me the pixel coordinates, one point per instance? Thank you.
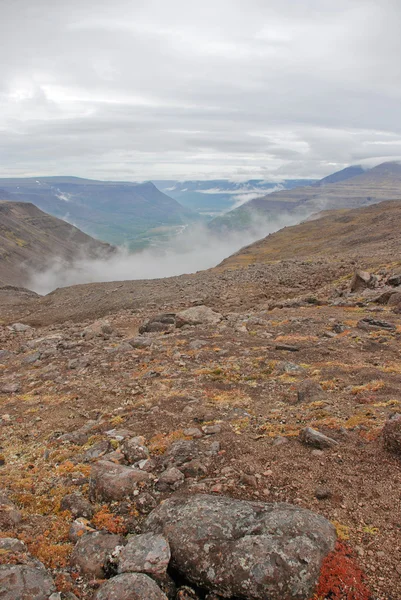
(185, 89)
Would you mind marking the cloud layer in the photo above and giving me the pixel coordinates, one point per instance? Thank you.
(176, 90)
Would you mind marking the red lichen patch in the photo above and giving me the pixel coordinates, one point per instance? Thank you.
(341, 578)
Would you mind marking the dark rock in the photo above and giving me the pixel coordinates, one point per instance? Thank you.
(110, 481)
(309, 390)
(170, 480)
(145, 503)
(323, 493)
(391, 434)
(181, 452)
(130, 586)
(249, 550)
(25, 582)
(311, 437)
(163, 322)
(134, 449)
(362, 280)
(369, 323)
(145, 553)
(96, 451)
(77, 505)
(394, 280)
(92, 551)
(186, 593)
(287, 348)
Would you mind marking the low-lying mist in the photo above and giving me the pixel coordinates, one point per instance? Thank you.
(195, 249)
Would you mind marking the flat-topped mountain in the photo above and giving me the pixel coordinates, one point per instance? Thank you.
(31, 239)
(118, 212)
(349, 188)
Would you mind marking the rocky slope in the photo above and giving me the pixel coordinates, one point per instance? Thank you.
(266, 421)
(117, 212)
(344, 189)
(31, 239)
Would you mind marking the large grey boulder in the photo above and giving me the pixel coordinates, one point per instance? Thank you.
(130, 586)
(25, 582)
(93, 550)
(247, 550)
(197, 315)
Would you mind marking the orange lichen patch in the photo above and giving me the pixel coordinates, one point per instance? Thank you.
(341, 578)
(51, 547)
(161, 441)
(105, 519)
(230, 398)
(68, 467)
(276, 429)
(329, 384)
(372, 386)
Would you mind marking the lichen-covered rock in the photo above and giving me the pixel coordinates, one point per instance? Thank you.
(10, 516)
(171, 479)
(92, 551)
(134, 449)
(77, 505)
(130, 586)
(110, 481)
(249, 550)
(197, 315)
(145, 553)
(392, 434)
(25, 582)
(309, 390)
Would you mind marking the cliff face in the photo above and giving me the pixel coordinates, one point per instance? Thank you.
(30, 239)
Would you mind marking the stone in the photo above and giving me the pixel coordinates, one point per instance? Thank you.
(287, 347)
(130, 586)
(11, 387)
(96, 451)
(198, 315)
(171, 479)
(309, 390)
(159, 323)
(289, 367)
(91, 552)
(145, 553)
(12, 545)
(361, 280)
(211, 429)
(249, 550)
(78, 528)
(20, 327)
(391, 434)
(395, 299)
(193, 432)
(77, 505)
(10, 516)
(25, 582)
(145, 503)
(194, 468)
(181, 452)
(312, 437)
(369, 323)
(394, 280)
(134, 449)
(110, 481)
(139, 343)
(323, 493)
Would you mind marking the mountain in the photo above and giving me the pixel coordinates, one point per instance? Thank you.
(344, 189)
(118, 212)
(31, 239)
(214, 196)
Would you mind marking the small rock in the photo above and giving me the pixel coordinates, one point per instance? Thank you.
(198, 315)
(311, 437)
(145, 503)
(193, 432)
(171, 479)
(369, 323)
(394, 280)
(287, 347)
(211, 429)
(145, 553)
(140, 342)
(20, 327)
(323, 493)
(134, 449)
(130, 586)
(96, 451)
(362, 280)
(391, 434)
(309, 390)
(92, 550)
(12, 387)
(112, 482)
(77, 505)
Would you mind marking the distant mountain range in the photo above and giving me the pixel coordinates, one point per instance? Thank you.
(219, 195)
(349, 188)
(30, 239)
(117, 212)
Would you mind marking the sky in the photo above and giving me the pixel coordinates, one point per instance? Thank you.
(174, 89)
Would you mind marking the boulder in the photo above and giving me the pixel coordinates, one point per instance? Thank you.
(394, 280)
(171, 479)
(12, 545)
(181, 452)
(92, 551)
(10, 516)
(362, 280)
(130, 586)
(198, 315)
(309, 390)
(110, 481)
(77, 505)
(247, 550)
(368, 323)
(134, 449)
(395, 299)
(25, 582)
(391, 434)
(311, 437)
(140, 343)
(145, 553)
(163, 322)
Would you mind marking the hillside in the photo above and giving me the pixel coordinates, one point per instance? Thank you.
(370, 232)
(118, 212)
(344, 189)
(31, 239)
(276, 382)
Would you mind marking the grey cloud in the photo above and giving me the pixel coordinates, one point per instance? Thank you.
(223, 88)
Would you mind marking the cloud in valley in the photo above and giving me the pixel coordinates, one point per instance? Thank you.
(182, 90)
